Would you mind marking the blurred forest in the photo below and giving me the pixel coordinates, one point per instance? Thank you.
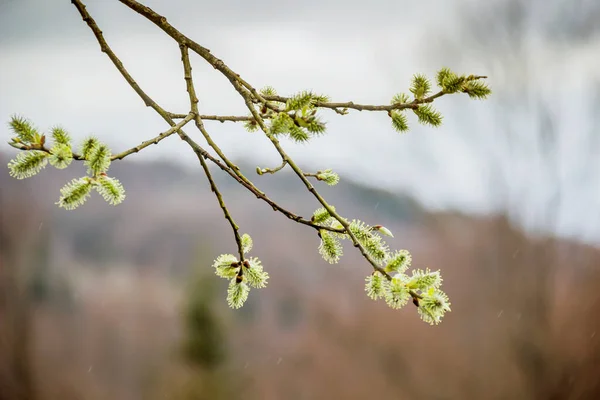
(122, 303)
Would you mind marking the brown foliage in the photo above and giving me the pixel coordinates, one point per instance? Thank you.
(524, 322)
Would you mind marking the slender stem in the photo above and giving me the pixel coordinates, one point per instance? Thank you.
(185, 58)
(189, 82)
(270, 170)
(213, 187)
(314, 175)
(220, 118)
(155, 140)
(365, 107)
(371, 107)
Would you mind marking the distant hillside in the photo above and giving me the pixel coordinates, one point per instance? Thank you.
(168, 207)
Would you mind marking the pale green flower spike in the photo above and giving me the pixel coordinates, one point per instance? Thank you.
(433, 306)
(24, 130)
(400, 98)
(476, 90)
(303, 99)
(376, 285)
(446, 80)
(313, 125)
(251, 126)
(297, 134)
(246, 243)
(398, 262)
(61, 156)
(226, 266)
(420, 87)
(423, 280)
(98, 159)
(111, 189)
(237, 293)
(330, 247)
(27, 164)
(254, 274)
(60, 136)
(268, 91)
(397, 294)
(321, 216)
(280, 124)
(330, 177)
(428, 115)
(75, 193)
(88, 147)
(399, 121)
(372, 243)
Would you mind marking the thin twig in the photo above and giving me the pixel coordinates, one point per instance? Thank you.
(364, 107)
(155, 140)
(219, 65)
(39, 147)
(261, 171)
(199, 124)
(313, 175)
(189, 83)
(220, 118)
(371, 107)
(213, 187)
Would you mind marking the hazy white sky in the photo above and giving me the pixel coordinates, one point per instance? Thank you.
(51, 70)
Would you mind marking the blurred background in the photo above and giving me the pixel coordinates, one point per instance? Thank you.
(122, 303)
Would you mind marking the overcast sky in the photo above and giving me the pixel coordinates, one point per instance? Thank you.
(51, 71)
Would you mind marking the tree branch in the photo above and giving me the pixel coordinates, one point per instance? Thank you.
(123, 154)
(293, 116)
(246, 91)
(236, 80)
(166, 116)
